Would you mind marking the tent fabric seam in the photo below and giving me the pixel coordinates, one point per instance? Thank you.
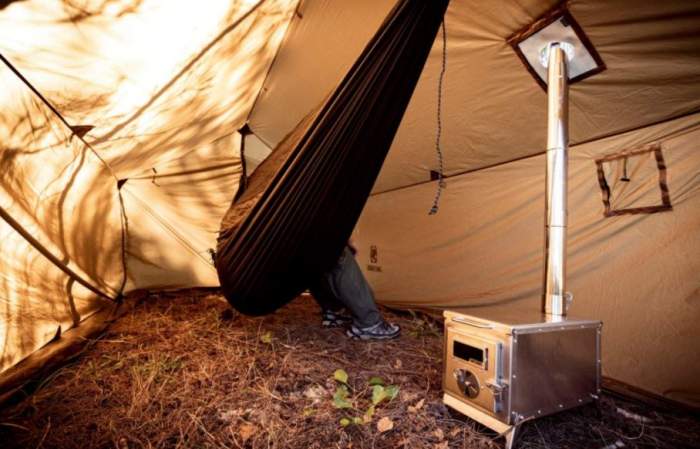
(165, 225)
(530, 156)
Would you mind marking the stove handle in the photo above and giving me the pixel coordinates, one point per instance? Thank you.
(469, 322)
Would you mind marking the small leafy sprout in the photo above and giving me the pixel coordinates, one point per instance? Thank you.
(422, 328)
(391, 391)
(266, 338)
(340, 397)
(341, 376)
(380, 393)
(375, 380)
(367, 418)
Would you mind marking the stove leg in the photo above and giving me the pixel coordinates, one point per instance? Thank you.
(598, 409)
(510, 437)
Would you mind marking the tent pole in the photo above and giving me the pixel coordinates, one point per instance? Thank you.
(555, 296)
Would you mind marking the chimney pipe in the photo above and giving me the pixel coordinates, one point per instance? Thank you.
(554, 57)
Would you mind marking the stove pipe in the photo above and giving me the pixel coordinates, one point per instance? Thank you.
(554, 57)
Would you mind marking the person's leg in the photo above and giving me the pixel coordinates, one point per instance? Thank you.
(331, 308)
(322, 292)
(354, 291)
(351, 288)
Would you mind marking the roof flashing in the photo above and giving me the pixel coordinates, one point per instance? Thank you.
(556, 26)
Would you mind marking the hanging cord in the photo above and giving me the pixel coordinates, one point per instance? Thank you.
(438, 148)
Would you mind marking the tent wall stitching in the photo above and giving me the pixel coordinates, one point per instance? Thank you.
(172, 230)
(529, 156)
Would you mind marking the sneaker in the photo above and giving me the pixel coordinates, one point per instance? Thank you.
(380, 331)
(330, 319)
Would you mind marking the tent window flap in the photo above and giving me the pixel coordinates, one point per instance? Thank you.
(634, 182)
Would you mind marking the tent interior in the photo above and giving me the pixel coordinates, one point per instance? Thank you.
(126, 125)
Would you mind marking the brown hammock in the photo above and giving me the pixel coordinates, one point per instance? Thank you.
(301, 204)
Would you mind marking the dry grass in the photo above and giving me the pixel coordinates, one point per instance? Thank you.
(181, 371)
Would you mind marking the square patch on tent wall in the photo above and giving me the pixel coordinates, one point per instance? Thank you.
(634, 182)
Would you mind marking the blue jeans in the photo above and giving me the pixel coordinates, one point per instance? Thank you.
(345, 286)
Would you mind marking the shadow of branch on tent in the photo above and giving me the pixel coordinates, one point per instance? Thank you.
(59, 190)
(179, 75)
(77, 12)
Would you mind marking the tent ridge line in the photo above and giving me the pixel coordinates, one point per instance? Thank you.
(573, 145)
(34, 90)
(206, 169)
(77, 131)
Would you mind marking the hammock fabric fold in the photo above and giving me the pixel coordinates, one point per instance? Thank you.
(302, 203)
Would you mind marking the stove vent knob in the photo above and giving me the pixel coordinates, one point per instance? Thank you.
(467, 382)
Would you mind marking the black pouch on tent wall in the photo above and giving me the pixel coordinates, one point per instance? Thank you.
(302, 203)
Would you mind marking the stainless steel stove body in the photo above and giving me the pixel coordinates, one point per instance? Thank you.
(504, 366)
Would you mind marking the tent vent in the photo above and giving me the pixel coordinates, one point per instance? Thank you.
(556, 26)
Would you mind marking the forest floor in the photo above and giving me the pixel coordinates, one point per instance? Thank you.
(180, 370)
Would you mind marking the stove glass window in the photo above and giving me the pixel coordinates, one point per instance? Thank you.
(468, 353)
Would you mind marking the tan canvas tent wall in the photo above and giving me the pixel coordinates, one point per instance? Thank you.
(167, 86)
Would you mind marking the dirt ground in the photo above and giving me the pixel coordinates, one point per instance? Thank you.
(179, 370)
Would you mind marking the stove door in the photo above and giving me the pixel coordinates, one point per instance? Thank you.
(474, 369)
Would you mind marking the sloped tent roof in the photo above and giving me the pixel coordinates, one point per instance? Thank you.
(166, 86)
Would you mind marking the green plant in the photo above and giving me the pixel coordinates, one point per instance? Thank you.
(343, 399)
